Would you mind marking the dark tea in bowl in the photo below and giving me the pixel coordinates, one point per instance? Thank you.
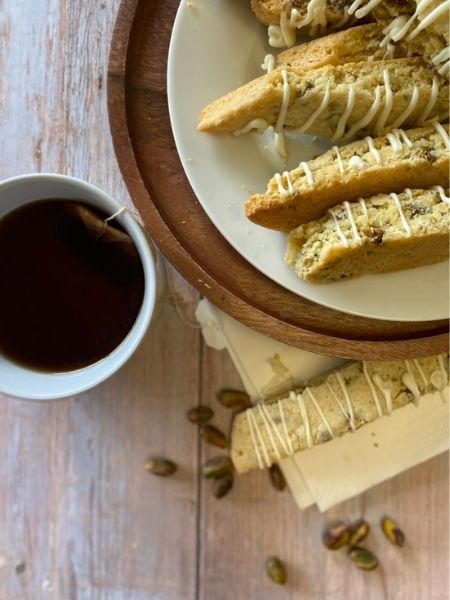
(78, 286)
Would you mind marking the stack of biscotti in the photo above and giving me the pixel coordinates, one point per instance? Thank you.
(332, 405)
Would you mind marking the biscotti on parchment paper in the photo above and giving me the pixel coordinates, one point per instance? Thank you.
(388, 232)
(341, 101)
(331, 406)
(418, 158)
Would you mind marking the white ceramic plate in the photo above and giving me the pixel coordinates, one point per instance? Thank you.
(216, 46)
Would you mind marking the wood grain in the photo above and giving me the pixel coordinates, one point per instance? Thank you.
(152, 170)
(80, 519)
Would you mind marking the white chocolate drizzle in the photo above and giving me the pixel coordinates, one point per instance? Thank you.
(257, 126)
(348, 414)
(352, 221)
(385, 388)
(269, 431)
(339, 160)
(308, 172)
(444, 135)
(320, 412)
(442, 61)
(285, 429)
(356, 163)
(399, 27)
(420, 371)
(388, 102)
(372, 389)
(284, 34)
(340, 233)
(431, 102)
(362, 12)
(346, 395)
(340, 127)
(435, 14)
(395, 141)
(409, 381)
(316, 114)
(279, 181)
(304, 414)
(268, 64)
(398, 206)
(440, 190)
(363, 205)
(373, 151)
(365, 120)
(284, 103)
(408, 110)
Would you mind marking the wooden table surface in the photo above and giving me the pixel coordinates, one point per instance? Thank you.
(80, 518)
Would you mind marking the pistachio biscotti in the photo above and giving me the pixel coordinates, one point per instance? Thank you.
(335, 101)
(418, 158)
(388, 232)
(331, 406)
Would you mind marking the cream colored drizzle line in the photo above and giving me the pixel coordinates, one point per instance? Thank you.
(316, 114)
(348, 209)
(440, 190)
(396, 139)
(348, 414)
(444, 135)
(442, 61)
(400, 26)
(283, 440)
(284, 34)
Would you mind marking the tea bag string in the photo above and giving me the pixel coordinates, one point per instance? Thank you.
(172, 292)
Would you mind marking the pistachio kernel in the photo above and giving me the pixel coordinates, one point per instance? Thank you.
(217, 467)
(200, 415)
(214, 436)
(392, 531)
(335, 535)
(359, 530)
(276, 570)
(234, 399)
(160, 466)
(277, 478)
(363, 558)
(223, 485)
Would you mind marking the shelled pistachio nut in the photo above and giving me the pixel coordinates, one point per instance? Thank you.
(363, 558)
(214, 436)
(276, 570)
(277, 478)
(359, 530)
(234, 399)
(335, 535)
(160, 466)
(200, 415)
(217, 467)
(392, 531)
(223, 485)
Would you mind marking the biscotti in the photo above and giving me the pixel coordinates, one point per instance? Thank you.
(417, 158)
(359, 44)
(335, 101)
(387, 232)
(331, 406)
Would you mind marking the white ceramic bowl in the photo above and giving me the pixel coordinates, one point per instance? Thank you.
(19, 381)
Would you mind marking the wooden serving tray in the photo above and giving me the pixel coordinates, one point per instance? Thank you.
(151, 168)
